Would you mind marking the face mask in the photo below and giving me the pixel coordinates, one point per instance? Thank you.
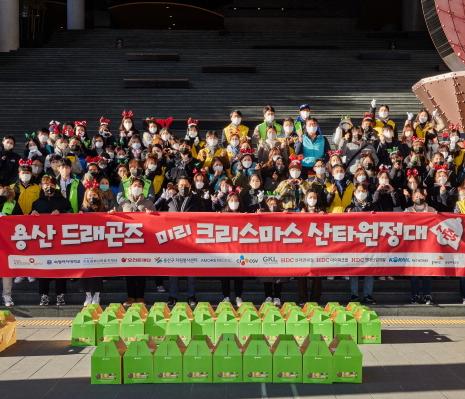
(175, 146)
(423, 119)
(272, 137)
(147, 141)
(442, 180)
(275, 158)
(165, 137)
(320, 170)
(233, 205)
(369, 166)
(33, 148)
(104, 187)
(419, 201)
(75, 148)
(383, 182)
(338, 176)
(134, 171)
(102, 165)
(383, 114)
(247, 164)
(8, 147)
(388, 134)
(236, 121)
(295, 173)
(48, 190)
(224, 189)
(212, 142)
(36, 169)
(361, 178)
(94, 201)
(234, 143)
(311, 201)
(135, 146)
(288, 129)
(184, 191)
(361, 195)
(218, 168)
(418, 150)
(25, 178)
(304, 114)
(93, 173)
(312, 129)
(199, 185)
(152, 167)
(184, 150)
(127, 125)
(43, 139)
(269, 118)
(445, 154)
(153, 130)
(192, 134)
(454, 139)
(63, 147)
(408, 133)
(136, 191)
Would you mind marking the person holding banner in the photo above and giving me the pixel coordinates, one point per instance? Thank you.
(51, 201)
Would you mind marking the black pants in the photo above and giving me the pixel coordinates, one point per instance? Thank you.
(44, 285)
(462, 287)
(158, 281)
(303, 288)
(273, 290)
(226, 286)
(92, 285)
(135, 287)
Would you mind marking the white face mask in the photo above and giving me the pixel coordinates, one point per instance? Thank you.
(153, 129)
(218, 168)
(271, 138)
(383, 114)
(338, 176)
(423, 119)
(320, 170)
(147, 142)
(269, 118)
(36, 169)
(454, 139)
(233, 205)
(127, 125)
(408, 133)
(98, 144)
(383, 182)
(136, 191)
(152, 167)
(304, 114)
(236, 121)
(33, 148)
(288, 129)
(25, 178)
(361, 195)
(165, 137)
(199, 185)
(212, 142)
(312, 129)
(445, 154)
(295, 173)
(275, 158)
(43, 139)
(442, 180)
(311, 201)
(192, 134)
(388, 134)
(246, 164)
(135, 146)
(361, 178)
(234, 143)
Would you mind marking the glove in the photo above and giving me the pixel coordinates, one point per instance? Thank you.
(196, 141)
(373, 103)
(410, 116)
(260, 196)
(206, 195)
(164, 194)
(449, 159)
(435, 114)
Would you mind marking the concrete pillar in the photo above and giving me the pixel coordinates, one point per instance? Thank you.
(9, 25)
(76, 14)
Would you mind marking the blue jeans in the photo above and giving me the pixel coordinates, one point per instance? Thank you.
(174, 286)
(368, 282)
(421, 286)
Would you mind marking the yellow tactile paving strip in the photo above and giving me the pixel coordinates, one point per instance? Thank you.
(405, 322)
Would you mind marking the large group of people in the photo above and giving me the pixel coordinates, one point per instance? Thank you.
(372, 164)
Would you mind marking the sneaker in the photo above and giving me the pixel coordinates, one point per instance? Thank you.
(277, 302)
(44, 300)
(390, 278)
(31, 279)
(128, 302)
(238, 301)
(171, 301)
(369, 300)
(161, 289)
(61, 300)
(226, 299)
(428, 300)
(96, 299)
(382, 278)
(18, 280)
(269, 299)
(88, 300)
(192, 301)
(346, 278)
(415, 299)
(8, 301)
(330, 278)
(354, 298)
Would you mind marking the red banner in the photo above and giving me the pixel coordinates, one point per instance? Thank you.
(219, 244)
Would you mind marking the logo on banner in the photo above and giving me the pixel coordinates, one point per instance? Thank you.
(449, 232)
(243, 261)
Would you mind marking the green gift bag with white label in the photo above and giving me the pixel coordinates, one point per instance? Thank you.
(273, 324)
(179, 324)
(108, 324)
(83, 330)
(320, 323)
(347, 359)
(167, 360)
(257, 360)
(297, 324)
(287, 360)
(345, 323)
(368, 328)
(203, 323)
(226, 323)
(106, 363)
(198, 360)
(132, 325)
(317, 361)
(138, 362)
(249, 323)
(156, 324)
(227, 359)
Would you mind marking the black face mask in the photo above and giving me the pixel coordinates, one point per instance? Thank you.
(184, 191)
(75, 148)
(48, 191)
(94, 201)
(93, 173)
(369, 166)
(418, 150)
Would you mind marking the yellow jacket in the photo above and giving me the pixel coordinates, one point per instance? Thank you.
(460, 205)
(26, 196)
(379, 125)
(206, 156)
(241, 130)
(338, 204)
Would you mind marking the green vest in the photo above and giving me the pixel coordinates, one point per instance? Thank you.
(298, 126)
(73, 195)
(127, 185)
(8, 207)
(262, 128)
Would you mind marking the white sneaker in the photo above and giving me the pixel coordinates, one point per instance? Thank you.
(161, 289)
(330, 278)
(269, 299)
(277, 302)
(19, 280)
(382, 278)
(8, 301)
(88, 300)
(238, 301)
(31, 279)
(226, 299)
(346, 278)
(96, 299)
(463, 303)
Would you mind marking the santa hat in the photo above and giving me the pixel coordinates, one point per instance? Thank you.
(80, 123)
(296, 162)
(127, 114)
(192, 122)
(104, 121)
(165, 123)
